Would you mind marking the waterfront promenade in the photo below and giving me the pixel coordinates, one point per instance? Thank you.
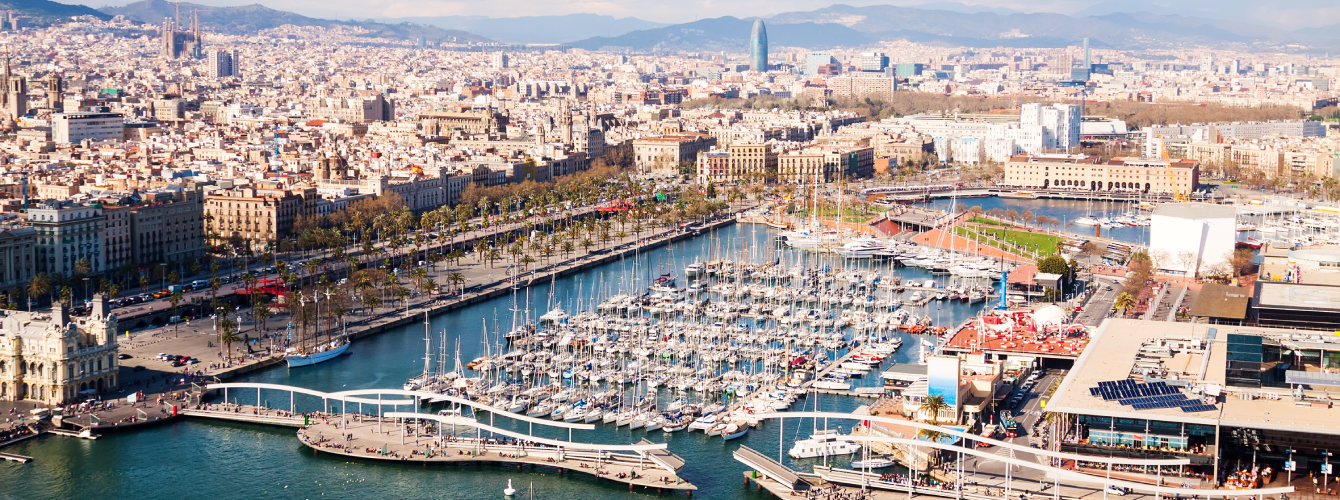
(424, 441)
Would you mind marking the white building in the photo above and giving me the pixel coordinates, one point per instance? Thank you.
(966, 150)
(1060, 124)
(1190, 238)
(499, 60)
(72, 128)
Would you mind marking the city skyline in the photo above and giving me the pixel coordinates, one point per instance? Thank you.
(1276, 13)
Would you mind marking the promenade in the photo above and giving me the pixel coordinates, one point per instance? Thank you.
(426, 442)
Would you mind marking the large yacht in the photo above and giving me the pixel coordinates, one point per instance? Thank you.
(863, 248)
(823, 444)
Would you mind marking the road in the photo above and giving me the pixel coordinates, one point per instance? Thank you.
(1100, 304)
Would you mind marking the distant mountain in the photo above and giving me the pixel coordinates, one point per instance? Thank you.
(44, 12)
(248, 19)
(729, 33)
(537, 29)
(848, 26)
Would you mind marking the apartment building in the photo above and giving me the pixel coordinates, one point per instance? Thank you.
(752, 163)
(664, 153)
(257, 217)
(68, 235)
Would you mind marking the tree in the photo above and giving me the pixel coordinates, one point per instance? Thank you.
(262, 312)
(1054, 264)
(228, 335)
(1242, 261)
(174, 300)
(933, 406)
(1124, 302)
(39, 286)
(1187, 259)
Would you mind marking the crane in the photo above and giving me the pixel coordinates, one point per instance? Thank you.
(1167, 167)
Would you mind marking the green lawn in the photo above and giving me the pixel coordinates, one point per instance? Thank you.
(1042, 244)
(984, 220)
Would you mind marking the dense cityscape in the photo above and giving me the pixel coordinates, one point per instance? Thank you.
(1087, 268)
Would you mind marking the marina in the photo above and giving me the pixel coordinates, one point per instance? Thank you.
(681, 345)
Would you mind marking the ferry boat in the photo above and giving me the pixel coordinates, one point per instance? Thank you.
(323, 352)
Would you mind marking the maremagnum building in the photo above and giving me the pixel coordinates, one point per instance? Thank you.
(1214, 394)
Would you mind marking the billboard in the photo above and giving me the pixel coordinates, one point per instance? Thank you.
(942, 379)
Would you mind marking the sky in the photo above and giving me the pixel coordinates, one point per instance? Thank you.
(1290, 14)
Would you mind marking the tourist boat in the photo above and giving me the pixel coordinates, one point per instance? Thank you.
(823, 444)
(323, 352)
(872, 463)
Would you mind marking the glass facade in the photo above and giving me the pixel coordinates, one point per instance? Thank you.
(758, 47)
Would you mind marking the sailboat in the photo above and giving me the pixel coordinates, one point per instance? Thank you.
(336, 347)
(323, 352)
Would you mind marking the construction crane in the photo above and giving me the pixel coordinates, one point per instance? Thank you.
(1167, 167)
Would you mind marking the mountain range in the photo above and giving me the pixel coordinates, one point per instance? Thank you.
(248, 19)
(45, 12)
(537, 29)
(844, 25)
(1109, 24)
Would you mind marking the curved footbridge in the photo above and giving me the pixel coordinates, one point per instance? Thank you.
(1066, 483)
(357, 424)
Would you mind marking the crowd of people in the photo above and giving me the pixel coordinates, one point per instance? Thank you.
(16, 433)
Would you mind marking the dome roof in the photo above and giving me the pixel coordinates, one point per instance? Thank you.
(1049, 315)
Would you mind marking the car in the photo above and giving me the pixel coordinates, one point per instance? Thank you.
(137, 368)
(176, 364)
(1108, 287)
(192, 361)
(1116, 490)
(123, 356)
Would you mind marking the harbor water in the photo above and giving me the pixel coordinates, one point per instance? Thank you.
(206, 459)
(1063, 210)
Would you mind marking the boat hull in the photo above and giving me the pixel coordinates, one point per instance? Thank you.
(297, 360)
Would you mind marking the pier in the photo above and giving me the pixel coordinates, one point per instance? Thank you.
(409, 436)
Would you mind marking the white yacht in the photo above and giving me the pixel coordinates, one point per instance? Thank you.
(823, 444)
(863, 248)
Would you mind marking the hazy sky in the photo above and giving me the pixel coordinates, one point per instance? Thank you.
(1283, 13)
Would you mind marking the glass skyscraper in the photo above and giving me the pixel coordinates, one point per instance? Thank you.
(758, 47)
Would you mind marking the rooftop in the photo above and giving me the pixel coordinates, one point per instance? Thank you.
(1112, 356)
(1196, 211)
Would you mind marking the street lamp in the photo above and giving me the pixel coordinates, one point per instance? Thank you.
(86, 289)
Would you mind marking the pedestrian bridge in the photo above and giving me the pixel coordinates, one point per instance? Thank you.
(1056, 474)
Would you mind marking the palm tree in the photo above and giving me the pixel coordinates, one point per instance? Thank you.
(228, 335)
(40, 285)
(370, 302)
(456, 278)
(933, 406)
(1124, 302)
(262, 312)
(174, 300)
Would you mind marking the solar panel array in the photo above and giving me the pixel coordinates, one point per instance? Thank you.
(1129, 389)
(1150, 396)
